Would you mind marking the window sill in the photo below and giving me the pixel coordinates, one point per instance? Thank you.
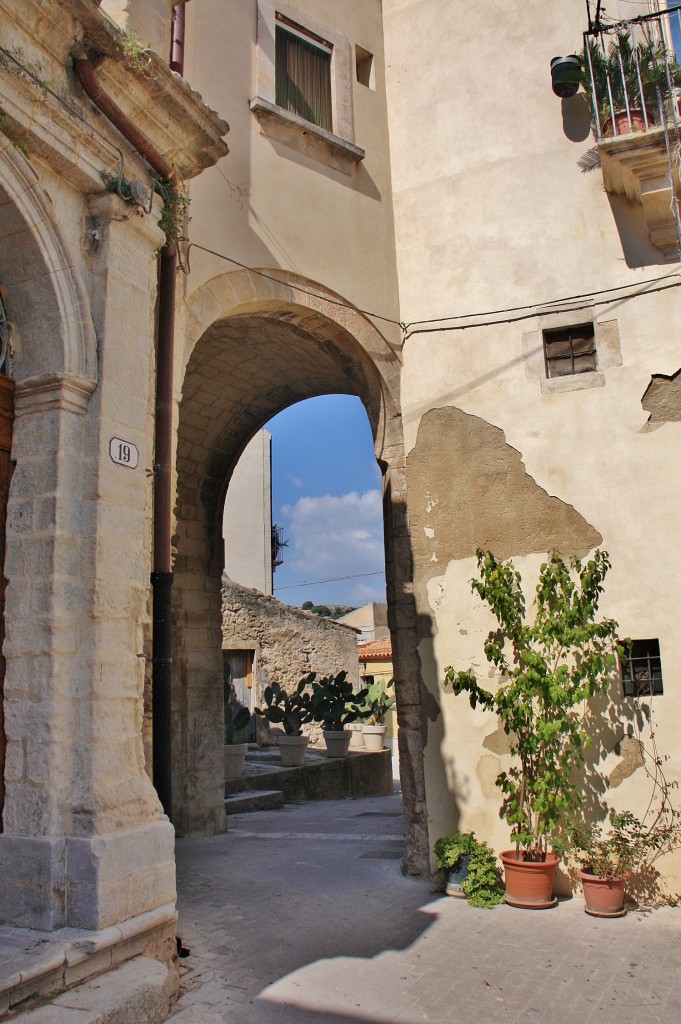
(572, 382)
(282, 126)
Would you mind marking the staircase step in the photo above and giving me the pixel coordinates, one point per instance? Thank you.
(137, 991)
(254, 800)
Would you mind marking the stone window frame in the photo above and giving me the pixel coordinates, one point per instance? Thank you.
(608, 351)
(335, 148)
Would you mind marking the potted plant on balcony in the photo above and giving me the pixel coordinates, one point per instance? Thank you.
(292, 711)
(627, 79)
(380, 699)
(335, 703)
(551, 668)
(236, 720)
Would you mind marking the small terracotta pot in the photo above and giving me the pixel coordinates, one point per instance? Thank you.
(604, 897)
(529, 883)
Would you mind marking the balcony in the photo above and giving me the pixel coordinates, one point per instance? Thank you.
(632, 81)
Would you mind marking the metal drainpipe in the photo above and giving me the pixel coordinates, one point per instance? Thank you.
(177, 38)
(162, 576)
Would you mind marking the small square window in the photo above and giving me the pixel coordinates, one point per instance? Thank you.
(303, 73)
(570, 350)
(364, 66)
(642, 669)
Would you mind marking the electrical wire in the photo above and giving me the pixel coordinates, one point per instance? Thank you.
(295, 288)
(538, 305)
(538, 311)
(333, 579)
(536, 308)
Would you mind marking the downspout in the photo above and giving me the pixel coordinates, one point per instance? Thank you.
(162, 576)
(177, 38)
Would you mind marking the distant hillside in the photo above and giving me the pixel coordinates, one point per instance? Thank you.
(335, 611)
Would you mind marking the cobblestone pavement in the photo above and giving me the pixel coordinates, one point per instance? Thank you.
(301, 916)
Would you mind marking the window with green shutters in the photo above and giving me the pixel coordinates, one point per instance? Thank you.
(303, 74)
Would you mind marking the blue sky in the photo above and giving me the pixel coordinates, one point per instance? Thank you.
(326, 493)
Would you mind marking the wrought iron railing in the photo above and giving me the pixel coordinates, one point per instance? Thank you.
(632, 75)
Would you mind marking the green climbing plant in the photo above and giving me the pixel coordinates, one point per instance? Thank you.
(551, 668)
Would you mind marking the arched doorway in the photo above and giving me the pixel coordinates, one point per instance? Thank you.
(254, 347)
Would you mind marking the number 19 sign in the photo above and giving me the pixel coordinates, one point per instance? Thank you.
(124, 453)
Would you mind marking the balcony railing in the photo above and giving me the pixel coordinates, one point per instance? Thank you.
(631, 74)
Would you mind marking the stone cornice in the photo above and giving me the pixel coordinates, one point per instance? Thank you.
(186, 132)
(636, 166)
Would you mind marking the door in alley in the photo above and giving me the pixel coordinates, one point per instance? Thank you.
(238, 683)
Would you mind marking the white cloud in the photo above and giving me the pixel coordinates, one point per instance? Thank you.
(334, 536)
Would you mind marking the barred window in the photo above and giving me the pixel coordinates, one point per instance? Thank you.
(642, 669)
(570, 350)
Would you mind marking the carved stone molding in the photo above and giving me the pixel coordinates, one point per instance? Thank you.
(637, 166)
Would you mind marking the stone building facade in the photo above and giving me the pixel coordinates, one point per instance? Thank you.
(416, 248)
(283, 643)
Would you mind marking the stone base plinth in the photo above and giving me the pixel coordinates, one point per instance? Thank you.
(92, 883)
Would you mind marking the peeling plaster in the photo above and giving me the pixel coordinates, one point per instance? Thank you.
(662, 398)
(477, 494)
(631, 752)
(497, 741)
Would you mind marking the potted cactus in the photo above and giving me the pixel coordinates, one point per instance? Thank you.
(292, 711)
(379, 701)
(335, 703)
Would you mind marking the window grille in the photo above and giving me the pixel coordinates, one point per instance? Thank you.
(642, 669)
(570, 350)
(303, 75)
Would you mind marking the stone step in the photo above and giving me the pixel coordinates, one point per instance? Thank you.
(254, 800)
(139, 990)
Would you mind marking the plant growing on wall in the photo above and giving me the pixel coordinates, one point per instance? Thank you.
(551, 668)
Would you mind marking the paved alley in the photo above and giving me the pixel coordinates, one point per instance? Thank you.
(302, 916)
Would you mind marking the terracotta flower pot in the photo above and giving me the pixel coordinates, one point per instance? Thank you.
(529, 883)
(604, 897)
(622, 126)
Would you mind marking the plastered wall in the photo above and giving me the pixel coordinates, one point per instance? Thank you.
(492, 213)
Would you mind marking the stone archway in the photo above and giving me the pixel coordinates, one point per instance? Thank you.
(255, 346)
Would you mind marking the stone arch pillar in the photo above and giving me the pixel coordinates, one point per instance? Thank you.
(85, 842)
(254, 346)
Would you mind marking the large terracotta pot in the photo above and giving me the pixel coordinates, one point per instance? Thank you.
(603, 897)
(529, 883)
(622, 126)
